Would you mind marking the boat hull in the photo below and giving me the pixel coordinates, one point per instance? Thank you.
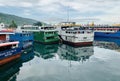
(51, 42)
(9, 59)
(78, 44)
(109, 35)
(46, 37)
(78, 40)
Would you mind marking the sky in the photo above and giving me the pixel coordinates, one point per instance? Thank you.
(55, 11)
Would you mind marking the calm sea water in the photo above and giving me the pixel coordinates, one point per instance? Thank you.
(100, 62)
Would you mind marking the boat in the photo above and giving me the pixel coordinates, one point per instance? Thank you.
(76, 35)
(43, 34)
(9, 50)
(25, 39)
(70, 53)
(47, 35)
(107, 31)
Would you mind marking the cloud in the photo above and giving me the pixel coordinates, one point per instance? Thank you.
(106, 10)
(15, 3)
(27, 12)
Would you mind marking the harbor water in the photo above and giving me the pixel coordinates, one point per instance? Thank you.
(100, 62)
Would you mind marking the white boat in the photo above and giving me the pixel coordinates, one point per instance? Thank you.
(76, 35)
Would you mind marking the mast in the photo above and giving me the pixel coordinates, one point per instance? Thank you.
(68, 14)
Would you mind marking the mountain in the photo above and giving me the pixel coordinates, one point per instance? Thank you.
(7, 19)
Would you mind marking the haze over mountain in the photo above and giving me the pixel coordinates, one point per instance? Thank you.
(7, 18)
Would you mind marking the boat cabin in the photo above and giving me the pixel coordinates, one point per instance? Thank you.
(107, 28)
(7, 45)
(79, 30)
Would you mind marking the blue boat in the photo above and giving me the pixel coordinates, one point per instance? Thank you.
(107, 31)
(25, 39)
(9, 50)
(109, 35)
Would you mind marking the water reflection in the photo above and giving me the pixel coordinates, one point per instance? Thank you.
(63, 52)
(9, 71)
(64, 63)
(45, 51)
(108, 43)
(28, 54)
(75, 54)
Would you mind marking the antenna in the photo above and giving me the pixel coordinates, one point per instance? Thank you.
(68, 14)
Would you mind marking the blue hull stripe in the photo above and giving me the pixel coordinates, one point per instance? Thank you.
(10, 52)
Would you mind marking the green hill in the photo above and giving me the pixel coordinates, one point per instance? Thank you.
(7, 19)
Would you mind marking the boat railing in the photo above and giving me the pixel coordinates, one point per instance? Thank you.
(79, 31)
(47, 28)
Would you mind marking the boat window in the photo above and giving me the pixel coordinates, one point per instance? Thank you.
(52, 37)
(82, 31)
(14, 46)
(84, 37)
(21, 35)
(74, 32)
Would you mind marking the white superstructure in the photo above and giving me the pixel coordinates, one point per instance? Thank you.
(32, 28)
(27, 28)
(76, 35)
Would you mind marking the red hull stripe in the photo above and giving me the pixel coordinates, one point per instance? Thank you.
(8, 59)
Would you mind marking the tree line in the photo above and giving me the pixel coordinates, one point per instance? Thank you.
(14, 25)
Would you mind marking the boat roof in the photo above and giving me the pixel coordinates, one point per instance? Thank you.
(1, 33)
(6, 43)
(49, 26)
(108, 26)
